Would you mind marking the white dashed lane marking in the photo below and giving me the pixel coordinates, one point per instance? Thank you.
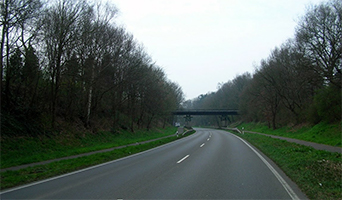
(181, 160)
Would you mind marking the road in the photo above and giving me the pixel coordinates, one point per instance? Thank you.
(209, 164)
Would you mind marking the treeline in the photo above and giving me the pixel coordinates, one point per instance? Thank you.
(300, 81)
(66, 64)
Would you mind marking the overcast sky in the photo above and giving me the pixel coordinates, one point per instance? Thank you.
(201, 43)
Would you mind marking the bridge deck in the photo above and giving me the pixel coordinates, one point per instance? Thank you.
(205, 112)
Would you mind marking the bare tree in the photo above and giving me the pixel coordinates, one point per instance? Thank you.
(266, 96)
(319, 34)
(14, 15)
(81, 66)
(59, 31)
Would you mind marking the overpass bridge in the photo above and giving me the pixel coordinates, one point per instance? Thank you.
(206, 112)
(220, 112)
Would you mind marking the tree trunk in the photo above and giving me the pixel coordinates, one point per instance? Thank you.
(3, 34)
(8, 76)
(149, 122)
(1, 60)
(90, 96)
(53, 99)
(274, 122)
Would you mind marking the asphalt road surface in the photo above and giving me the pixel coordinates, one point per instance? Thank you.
(209, 164)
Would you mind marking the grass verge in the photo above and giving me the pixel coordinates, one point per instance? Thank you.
(317, 173)
(322, 133)
(15, 178)
(25, 150)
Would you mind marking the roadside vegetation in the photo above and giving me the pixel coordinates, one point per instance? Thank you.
(67, 65)
(322, 133)
(19, 177)
(25, 150)
(316, 172)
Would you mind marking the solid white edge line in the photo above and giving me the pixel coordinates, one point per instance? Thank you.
(89, 168)
(181, 160)
(286, 186)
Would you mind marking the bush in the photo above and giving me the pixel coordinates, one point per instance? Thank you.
(327, 103)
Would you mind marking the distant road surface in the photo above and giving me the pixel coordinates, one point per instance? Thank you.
(210, 164)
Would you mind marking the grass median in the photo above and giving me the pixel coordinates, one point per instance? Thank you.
(15, 178)
(318, 173)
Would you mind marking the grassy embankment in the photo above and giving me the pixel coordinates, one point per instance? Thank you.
(322, 133)
(30, 174)
(24, 150)
(317, 173)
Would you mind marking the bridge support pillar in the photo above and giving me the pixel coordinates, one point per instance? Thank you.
(226, 119)
(187, 120)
